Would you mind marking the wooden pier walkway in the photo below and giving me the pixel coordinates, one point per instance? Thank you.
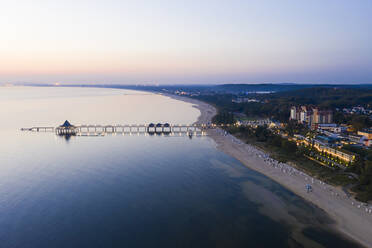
(100, 130)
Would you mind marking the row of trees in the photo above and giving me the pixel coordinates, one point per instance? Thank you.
(363, 167)
(223, 118)
(263, 134)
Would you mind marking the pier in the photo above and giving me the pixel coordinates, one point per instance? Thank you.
(99, 130)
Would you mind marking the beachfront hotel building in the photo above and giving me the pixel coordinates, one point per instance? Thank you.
(321, 147)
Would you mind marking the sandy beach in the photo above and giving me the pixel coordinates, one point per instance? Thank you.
(352, 218)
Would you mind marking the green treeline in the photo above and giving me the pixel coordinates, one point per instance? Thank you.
(262, 136)
(358, 122)
(363, 168)
(329, 97)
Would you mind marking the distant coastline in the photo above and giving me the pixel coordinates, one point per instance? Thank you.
(349, 214)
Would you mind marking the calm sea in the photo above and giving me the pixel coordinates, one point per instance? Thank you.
(135, 191)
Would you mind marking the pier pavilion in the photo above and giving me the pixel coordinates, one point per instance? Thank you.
(66, 129)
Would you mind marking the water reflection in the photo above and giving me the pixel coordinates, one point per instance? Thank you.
(66, 137)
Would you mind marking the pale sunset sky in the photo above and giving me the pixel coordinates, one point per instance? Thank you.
(188, 42)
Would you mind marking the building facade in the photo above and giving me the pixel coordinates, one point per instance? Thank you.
(366, 133)
(311, 115)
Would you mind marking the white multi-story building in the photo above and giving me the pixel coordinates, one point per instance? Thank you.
(294, 113)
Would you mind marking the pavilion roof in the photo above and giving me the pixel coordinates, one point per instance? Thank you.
(66, 124)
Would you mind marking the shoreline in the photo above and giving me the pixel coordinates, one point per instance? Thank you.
(351, 217)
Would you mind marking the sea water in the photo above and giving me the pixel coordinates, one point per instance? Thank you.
(135, 190)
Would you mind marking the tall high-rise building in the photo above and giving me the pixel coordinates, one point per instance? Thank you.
(294, 113)
(311, 115)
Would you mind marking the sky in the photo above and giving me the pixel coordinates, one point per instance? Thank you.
(186, 42)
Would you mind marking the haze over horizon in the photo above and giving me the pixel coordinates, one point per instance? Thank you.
(170, 42)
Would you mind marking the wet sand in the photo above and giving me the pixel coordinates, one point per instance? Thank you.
(351, 217)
